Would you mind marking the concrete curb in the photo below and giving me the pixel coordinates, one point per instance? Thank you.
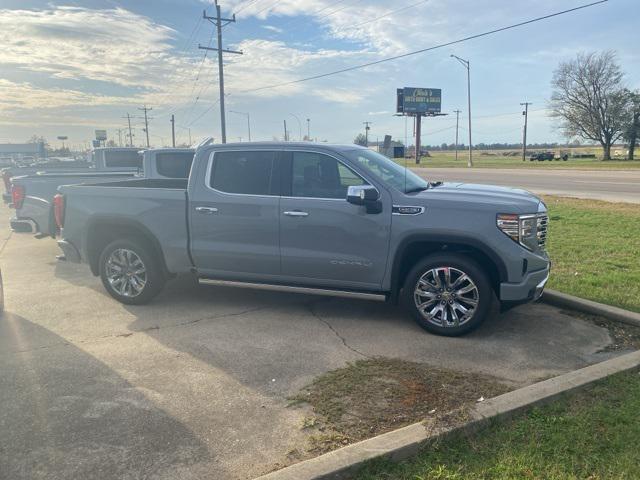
(405, 442)
(559, 299)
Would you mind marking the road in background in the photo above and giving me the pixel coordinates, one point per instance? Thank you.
(610, 185)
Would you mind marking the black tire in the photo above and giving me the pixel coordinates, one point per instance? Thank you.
(154, 278)
(483, 294)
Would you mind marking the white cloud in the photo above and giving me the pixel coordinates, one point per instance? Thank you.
(272, 28)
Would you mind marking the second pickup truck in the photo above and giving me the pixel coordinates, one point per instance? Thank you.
(314, 218)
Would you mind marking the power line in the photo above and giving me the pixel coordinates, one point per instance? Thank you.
(248, 4)
(386, 15)
(423, 50)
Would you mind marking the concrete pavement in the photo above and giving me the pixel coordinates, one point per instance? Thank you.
(195, 385)
(611, 185)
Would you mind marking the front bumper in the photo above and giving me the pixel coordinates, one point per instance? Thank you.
(71, 253)
(530, 289)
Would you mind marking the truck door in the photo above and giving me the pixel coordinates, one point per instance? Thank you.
(234, 213)
(325, 240)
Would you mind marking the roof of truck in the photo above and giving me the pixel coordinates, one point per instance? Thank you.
(328, 146)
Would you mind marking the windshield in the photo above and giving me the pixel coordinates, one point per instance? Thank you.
(386, 170)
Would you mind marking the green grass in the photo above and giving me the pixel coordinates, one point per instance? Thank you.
(595, 250)
(497, 159)
(592, 435)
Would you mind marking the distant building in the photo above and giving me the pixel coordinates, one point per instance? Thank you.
(21, 151)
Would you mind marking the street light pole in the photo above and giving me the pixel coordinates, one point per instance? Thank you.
(308, 129)
(248, 121)
(467, 65)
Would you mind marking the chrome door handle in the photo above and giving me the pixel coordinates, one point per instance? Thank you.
(295, 213)
(207, 210)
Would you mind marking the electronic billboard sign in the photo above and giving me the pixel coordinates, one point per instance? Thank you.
(419, 101)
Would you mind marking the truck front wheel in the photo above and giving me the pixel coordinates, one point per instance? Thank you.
(130, 274)
(448, 294)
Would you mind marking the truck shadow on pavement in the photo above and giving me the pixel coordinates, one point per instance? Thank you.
(65, 414)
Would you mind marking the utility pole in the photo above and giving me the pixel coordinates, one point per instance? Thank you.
(524, 132)
(466, 64)
(457, 118)
(308, 129)
(173, 130)
(128, 117)
(217, 21)
(146, 122)
(286, 137)
(366, 133)
(418, 136)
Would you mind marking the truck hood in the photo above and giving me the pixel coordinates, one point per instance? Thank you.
(519, 200)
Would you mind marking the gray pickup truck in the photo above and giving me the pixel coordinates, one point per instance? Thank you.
(32, 194)
(314, 218)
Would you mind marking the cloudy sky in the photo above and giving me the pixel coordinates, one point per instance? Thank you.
(68, 68)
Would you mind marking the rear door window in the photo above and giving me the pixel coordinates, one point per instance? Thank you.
(244, 172)
(174, 164)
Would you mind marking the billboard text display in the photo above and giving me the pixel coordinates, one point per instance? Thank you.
(413, 100)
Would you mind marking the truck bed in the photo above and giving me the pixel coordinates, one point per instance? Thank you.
(158, 206)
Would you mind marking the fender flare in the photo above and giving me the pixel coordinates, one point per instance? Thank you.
(126, 223)
(442, 239)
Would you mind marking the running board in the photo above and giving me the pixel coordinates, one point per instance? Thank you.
(285, 288)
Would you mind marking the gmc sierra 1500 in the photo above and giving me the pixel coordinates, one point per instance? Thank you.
(314, 218)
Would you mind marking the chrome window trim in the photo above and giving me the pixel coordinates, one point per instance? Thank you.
(422, 210)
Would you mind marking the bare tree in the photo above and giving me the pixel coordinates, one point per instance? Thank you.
(632, 130)
(590, 100)
(360, 140)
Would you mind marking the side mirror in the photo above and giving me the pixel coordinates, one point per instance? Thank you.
(362, 194)
(366, 195)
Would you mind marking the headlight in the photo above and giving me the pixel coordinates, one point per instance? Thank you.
(524, 229)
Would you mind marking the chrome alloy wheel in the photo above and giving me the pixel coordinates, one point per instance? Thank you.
(126, 272)
(446, 297)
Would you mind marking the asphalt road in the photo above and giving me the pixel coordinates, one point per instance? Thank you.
(195, 385)
(611, 185)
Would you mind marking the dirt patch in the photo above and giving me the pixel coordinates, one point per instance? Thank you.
(623, 336)
(374, 396)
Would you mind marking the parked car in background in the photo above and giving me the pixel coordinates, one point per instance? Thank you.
(318, 219)
(541, 156)
(31, 194)
(50, 165)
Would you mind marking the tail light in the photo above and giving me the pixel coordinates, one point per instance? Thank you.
(6, 178)
(58, 209)
(17, 196)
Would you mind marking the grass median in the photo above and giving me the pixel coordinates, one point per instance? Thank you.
(595, 250)
(592, 435)
(497, 160)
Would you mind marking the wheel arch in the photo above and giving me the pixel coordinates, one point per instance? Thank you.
(103, 230)
(415, 247)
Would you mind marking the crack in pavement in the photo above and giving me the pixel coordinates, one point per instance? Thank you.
(310, 308)
(69, 342)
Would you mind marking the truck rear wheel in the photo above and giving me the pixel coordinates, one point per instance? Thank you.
(448, 294)
(130, 273)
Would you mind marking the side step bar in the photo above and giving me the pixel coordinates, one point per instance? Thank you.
(285, 288)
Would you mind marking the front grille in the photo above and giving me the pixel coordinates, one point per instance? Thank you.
(543, 223)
